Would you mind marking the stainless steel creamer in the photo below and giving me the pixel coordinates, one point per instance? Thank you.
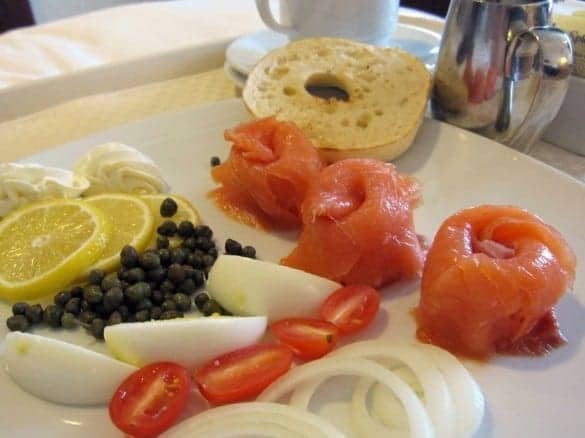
(502, 70)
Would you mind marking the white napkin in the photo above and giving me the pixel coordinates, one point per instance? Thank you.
(120, 33)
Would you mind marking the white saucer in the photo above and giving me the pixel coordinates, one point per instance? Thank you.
(239, 79)
(243, 53)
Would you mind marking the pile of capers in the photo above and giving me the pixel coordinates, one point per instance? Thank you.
(160, 283)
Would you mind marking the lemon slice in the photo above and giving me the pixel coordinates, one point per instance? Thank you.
(46, 245)
(185, 212)
(132, 224)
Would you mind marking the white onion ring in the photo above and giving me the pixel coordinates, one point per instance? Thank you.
(418, 420)
(436, 392)
(363, 424)
(256, 419)
(467, 397)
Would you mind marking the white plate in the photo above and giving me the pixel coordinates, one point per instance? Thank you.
(526, 397)
(243, 54)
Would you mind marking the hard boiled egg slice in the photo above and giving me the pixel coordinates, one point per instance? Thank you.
(252, 287)
(61, 372)
(188, 342)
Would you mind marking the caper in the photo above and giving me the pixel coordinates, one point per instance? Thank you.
(61, 298)
(164, 255)
(168, 207)
(84, 305)
(129, 257)
(233, 247)
(214, 161)
(142, 315)
(110, 281)
(157, 275)
(249, 251)
(157, 296)
(185, 229)
(201, 299)
(203, 231)
(168, 228)
(198, 278)
(179, 255)
(190, 243)
(162, 242)
(182, 301)
(176, 273)
(96, 276)
(204, 243)
(34, 313)
(76, 292)
(210, 307)
(171, 314)
(113, 298)
(68, 320)
(168, 305)
(187, 286)
(17, 323)
(212, 252)
(87, 316)
(167, 286)
(135, 275)
(73, 306)
(195, 259)
(93, 294)
(149, 260)
(145, 304)
(19, 308)
(124, 312)
(52, 315)
(97, 328)
(137, 292)
(155, 312)
(115, 318)
(207, 260)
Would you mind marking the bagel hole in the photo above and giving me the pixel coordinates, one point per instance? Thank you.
(326, 86)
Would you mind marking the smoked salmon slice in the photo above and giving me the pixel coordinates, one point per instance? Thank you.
(490, 281)
(358, 225)
(266, 176)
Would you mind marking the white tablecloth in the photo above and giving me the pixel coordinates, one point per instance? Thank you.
(125, 32)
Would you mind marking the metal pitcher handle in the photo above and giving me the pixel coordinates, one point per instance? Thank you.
(548, 52)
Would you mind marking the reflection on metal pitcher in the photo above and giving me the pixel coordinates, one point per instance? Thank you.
(503, 70)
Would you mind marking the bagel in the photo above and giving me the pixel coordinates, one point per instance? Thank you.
(387, 92)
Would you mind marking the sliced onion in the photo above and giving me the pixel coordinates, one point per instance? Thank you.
(255, 419)
(418, 420)
(387, 408)
(436, 392)
(363, 424)
(465, 392)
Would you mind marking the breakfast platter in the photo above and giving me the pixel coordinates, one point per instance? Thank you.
(456, 169)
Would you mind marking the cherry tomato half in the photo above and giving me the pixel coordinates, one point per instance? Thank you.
(242, 374)
(151, 399)
(351, 308)
(307, 338)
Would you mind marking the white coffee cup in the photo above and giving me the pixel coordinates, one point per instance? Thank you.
(367, 21)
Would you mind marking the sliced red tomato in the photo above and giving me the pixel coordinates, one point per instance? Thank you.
(151, 399)
(307, 338)
(242, 374)
(351, 308)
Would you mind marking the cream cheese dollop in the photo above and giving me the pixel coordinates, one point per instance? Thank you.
(116, 167)
(24, 183)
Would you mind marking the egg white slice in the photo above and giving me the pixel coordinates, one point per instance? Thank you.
(186, 341)
(253, 287)
(61, 372)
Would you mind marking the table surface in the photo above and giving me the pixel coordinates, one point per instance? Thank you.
(109, 36)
